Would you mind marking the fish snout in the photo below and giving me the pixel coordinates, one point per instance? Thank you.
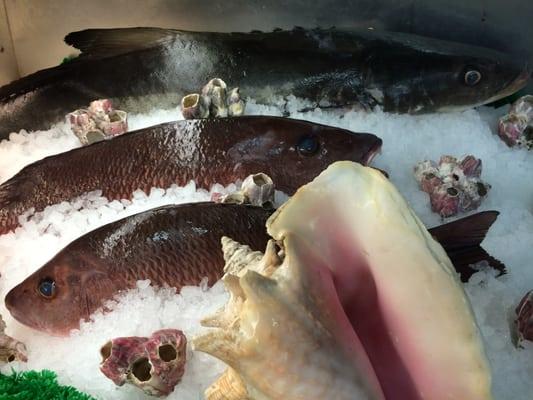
(521, 79)
(10, 301)
(16, 304)
(526, 73)
(374, 150)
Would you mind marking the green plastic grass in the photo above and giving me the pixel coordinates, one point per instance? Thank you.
(68, 58)
(33, 385)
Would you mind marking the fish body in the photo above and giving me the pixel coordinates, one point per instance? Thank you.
(171, 246)
(142, 68)
(209, 151)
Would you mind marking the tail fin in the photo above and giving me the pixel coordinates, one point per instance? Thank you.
(462, 241)
(11, 195)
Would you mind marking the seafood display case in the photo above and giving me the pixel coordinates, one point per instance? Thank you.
(266, 200)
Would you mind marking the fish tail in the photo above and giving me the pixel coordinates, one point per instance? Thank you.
(462, 239)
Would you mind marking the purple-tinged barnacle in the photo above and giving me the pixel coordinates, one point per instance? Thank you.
(471, 166)
(524, 318)
(115, 123)
(516, 127)
(445, 201)
(99, 122)
(430, 182)
(81, 123)
(155, 364)
(100, 108)
(454, 185)
(425, 170)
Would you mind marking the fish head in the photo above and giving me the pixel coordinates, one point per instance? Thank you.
(442, 77)
(57, 296)
(293, 152)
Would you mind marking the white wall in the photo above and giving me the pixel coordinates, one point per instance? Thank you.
(39, 26)
(8, 63)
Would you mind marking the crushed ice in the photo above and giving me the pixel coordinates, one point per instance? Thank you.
(407, 139)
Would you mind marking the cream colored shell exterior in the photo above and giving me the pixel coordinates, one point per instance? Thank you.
(278, 333)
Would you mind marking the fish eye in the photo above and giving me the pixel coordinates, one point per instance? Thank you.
(308, 145)
(472, 77)
(47, 288)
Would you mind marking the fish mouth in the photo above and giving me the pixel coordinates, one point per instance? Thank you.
(519, 82)
(17, 313)
(23, 317)
(372, 153)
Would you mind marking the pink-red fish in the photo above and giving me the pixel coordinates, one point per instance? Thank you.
(291, 152)
(173, 246)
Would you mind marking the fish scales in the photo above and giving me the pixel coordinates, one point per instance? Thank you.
(206, 151)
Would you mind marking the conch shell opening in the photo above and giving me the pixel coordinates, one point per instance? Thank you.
(353, 299)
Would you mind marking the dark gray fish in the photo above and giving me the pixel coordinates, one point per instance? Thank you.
(143, 68)
(175, 246)
(208, 151)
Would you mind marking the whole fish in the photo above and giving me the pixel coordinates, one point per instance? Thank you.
(174, 246)
(210, 151)
(170, 245)
(143, 68)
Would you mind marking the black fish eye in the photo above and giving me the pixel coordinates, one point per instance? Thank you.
(47, 288)
(472, 77)
(308, 145)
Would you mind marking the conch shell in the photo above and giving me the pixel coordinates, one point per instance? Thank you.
(353, 299)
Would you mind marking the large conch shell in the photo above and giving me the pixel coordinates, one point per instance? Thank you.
(353, 299)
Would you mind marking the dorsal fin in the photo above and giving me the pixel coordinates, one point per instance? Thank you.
(99, 43)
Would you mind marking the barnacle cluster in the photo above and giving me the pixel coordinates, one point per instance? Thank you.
(516, 127)
(256, 189)
(155, 364)
(454, 185)
(98, 122)
(213, 101)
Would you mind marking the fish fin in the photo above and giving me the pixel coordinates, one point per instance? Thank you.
(12, 192)
(33, 81)
(463, 260)
(100, 43)
(97, 289)
(462, 239)
(8, 193)
(94, 44)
